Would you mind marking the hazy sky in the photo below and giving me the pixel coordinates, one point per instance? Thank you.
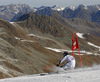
(38, 3)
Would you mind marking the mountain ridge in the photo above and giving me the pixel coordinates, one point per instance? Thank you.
(91, 13)
(84, 12)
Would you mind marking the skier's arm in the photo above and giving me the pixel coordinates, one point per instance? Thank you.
(61, 61)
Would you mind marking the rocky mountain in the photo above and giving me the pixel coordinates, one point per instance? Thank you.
(55, 7)
(12, 11)
(89, 13)
(78, 25)
(96, 17)
(80, 12)
(84, 12)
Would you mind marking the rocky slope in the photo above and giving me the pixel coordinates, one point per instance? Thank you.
(21, 54)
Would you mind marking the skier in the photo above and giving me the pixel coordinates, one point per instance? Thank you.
(70, 61)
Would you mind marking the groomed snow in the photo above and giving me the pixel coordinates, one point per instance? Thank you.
(77, 75)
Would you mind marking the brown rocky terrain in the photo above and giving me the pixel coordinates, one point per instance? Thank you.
(22, 45)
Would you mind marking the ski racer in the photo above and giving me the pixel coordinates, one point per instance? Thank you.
(70, 61)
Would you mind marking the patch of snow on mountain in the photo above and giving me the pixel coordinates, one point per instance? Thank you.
(11, 22)
(5, 71)
(35, 10)
(27, 40)
(56, 50)
(97, 6)
(72, 7)
(80, 35)
(94, 45)
(76, 52)
(23, 40)
(58, 8)
(31, 35)
(2, 69)
(85, 7)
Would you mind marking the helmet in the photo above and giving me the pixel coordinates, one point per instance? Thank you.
(65, 53)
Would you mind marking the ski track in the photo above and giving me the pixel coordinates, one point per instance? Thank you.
(77, 75)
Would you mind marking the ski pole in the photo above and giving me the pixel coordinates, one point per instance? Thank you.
(47, 67)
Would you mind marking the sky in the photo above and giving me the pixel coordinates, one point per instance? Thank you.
(38, 3)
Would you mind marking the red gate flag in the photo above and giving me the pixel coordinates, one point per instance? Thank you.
(75, 45)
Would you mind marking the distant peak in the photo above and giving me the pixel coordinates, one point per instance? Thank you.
(97, 6)
(72, 7)
(57, 8)
(82, 6)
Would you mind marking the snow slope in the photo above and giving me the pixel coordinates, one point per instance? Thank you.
(77, 75)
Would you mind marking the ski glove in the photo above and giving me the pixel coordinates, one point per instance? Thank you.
(58, 63)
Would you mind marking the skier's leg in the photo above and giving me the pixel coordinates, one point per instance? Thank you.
(67, 66)
(73, 64)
